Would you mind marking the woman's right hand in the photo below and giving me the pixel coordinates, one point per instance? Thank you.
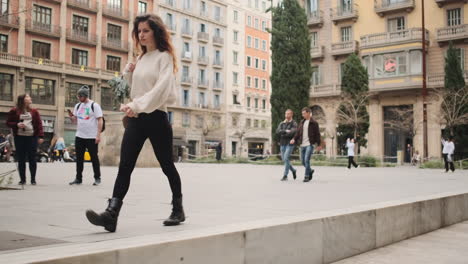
(130, 67)
(21, 125)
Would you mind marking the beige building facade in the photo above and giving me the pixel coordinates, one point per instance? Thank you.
(387, 36)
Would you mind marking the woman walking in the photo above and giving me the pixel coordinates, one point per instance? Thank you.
(26, 124)
(152, 80)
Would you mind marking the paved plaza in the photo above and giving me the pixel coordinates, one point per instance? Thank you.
(215, 195)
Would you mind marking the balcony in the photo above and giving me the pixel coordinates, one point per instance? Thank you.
(115, 44)
(43, 29)
(345, 13)
(11, 21)
(317, 52)
(172, 27)
(186, 56)
(315, 19)
(437, 80)
(344, 48)
(84, 5)
(392, 6)
(393, 38)
(446, 34)
(218, 85)
(203, 60)
(324, 90)
(218, 63)
(218, 41)
(186, 80)
(81, 37)
(115, 12)
(441, 3)
(202, 83)
(203, 37)
(395, 83)
(187, 32)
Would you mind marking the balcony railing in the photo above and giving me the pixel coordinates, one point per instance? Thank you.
(86, 5)
(392, 38)
(186, 56)
(383, 7)
(317, 52)
(315, 18)
(203, 60)
(322, 90)
(82, 37)
(186, 80)
(187, 32)
(202, 83)
(115, 44)
(11, 21)
(203, 36)
(441, 3)
(43, 28)
(218, 85)
(217, 63)
(452, 33)
(344, 48)
(437, 80)
(115, 12)
(343, 13)
(218, 41)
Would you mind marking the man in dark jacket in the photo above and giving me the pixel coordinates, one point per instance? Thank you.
(286, 131)
(307, 135)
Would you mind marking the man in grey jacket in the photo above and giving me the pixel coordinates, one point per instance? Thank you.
(286, 131)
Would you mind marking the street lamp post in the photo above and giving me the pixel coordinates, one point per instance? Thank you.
(424, 88)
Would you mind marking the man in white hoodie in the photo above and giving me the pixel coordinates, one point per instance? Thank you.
(350, 146)
(447, 152)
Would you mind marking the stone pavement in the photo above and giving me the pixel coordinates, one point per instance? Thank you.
(215, 195)
(448, 245)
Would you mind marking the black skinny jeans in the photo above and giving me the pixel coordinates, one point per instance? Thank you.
(447, 163)
(26, 147)
(81, 144)
(351, 161)
(156, 127)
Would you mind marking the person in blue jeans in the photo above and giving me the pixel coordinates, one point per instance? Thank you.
(307, 134)
(286, 131)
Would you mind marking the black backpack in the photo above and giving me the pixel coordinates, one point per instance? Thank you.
(92, 108)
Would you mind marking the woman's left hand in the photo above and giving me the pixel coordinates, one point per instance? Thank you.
(40, 141)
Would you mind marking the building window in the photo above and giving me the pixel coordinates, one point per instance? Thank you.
(235, 57)
(249, 61)
(454, 17)
(264, 84)
(216, 101)
(314, 39)
(185, 73)
(461, 56)
(249, 41)
(107, 99)
(256, 43)
(203, 8)
(114, 4)
(200, 121)
(41, 50)
(3, 43)
(248, 102)
(6, 87)
(263, 6)
(201, 99)
(248, 122)
(186, 98)
(42, 17)
(264, 65)
(263, 104)
(170, 21)
(202, 51)
(234, 121)
(201, 75)
(170, 117)
(256, 23)
(236, 16)
(142, 7)
(396, 24)
(256, 83)
(202, 27)
(80, 57)
(72, 92)
(264, 48)
(388, 65)
(114, 33)
(257, 63)
(80, 26)
(187, 4)
(217, 32)
(40, 90)
(234, 99)
(249, 21)
(256, 123)
(264, 25)
(263, 123)
(416, 61)
(345, 34)
(186, 28)
(217, 13)
(186, 119)
(249, 81)
(315, 75)
(236, 36)
(113, 63)
(235, 78)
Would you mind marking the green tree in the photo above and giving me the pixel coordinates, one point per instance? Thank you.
(454, 79)
(352, 115)
(291, 61)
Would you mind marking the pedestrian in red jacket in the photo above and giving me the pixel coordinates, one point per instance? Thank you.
(26, 124)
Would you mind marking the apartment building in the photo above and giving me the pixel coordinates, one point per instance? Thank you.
(387, 36)
(248, 70)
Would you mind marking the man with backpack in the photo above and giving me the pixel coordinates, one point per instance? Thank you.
(90, 123)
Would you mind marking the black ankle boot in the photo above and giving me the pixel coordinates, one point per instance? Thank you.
(107, 219)
(177, 216)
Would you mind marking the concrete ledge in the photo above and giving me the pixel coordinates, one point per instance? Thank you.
(323, 237)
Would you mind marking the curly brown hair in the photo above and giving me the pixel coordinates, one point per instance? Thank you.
(161, 35)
